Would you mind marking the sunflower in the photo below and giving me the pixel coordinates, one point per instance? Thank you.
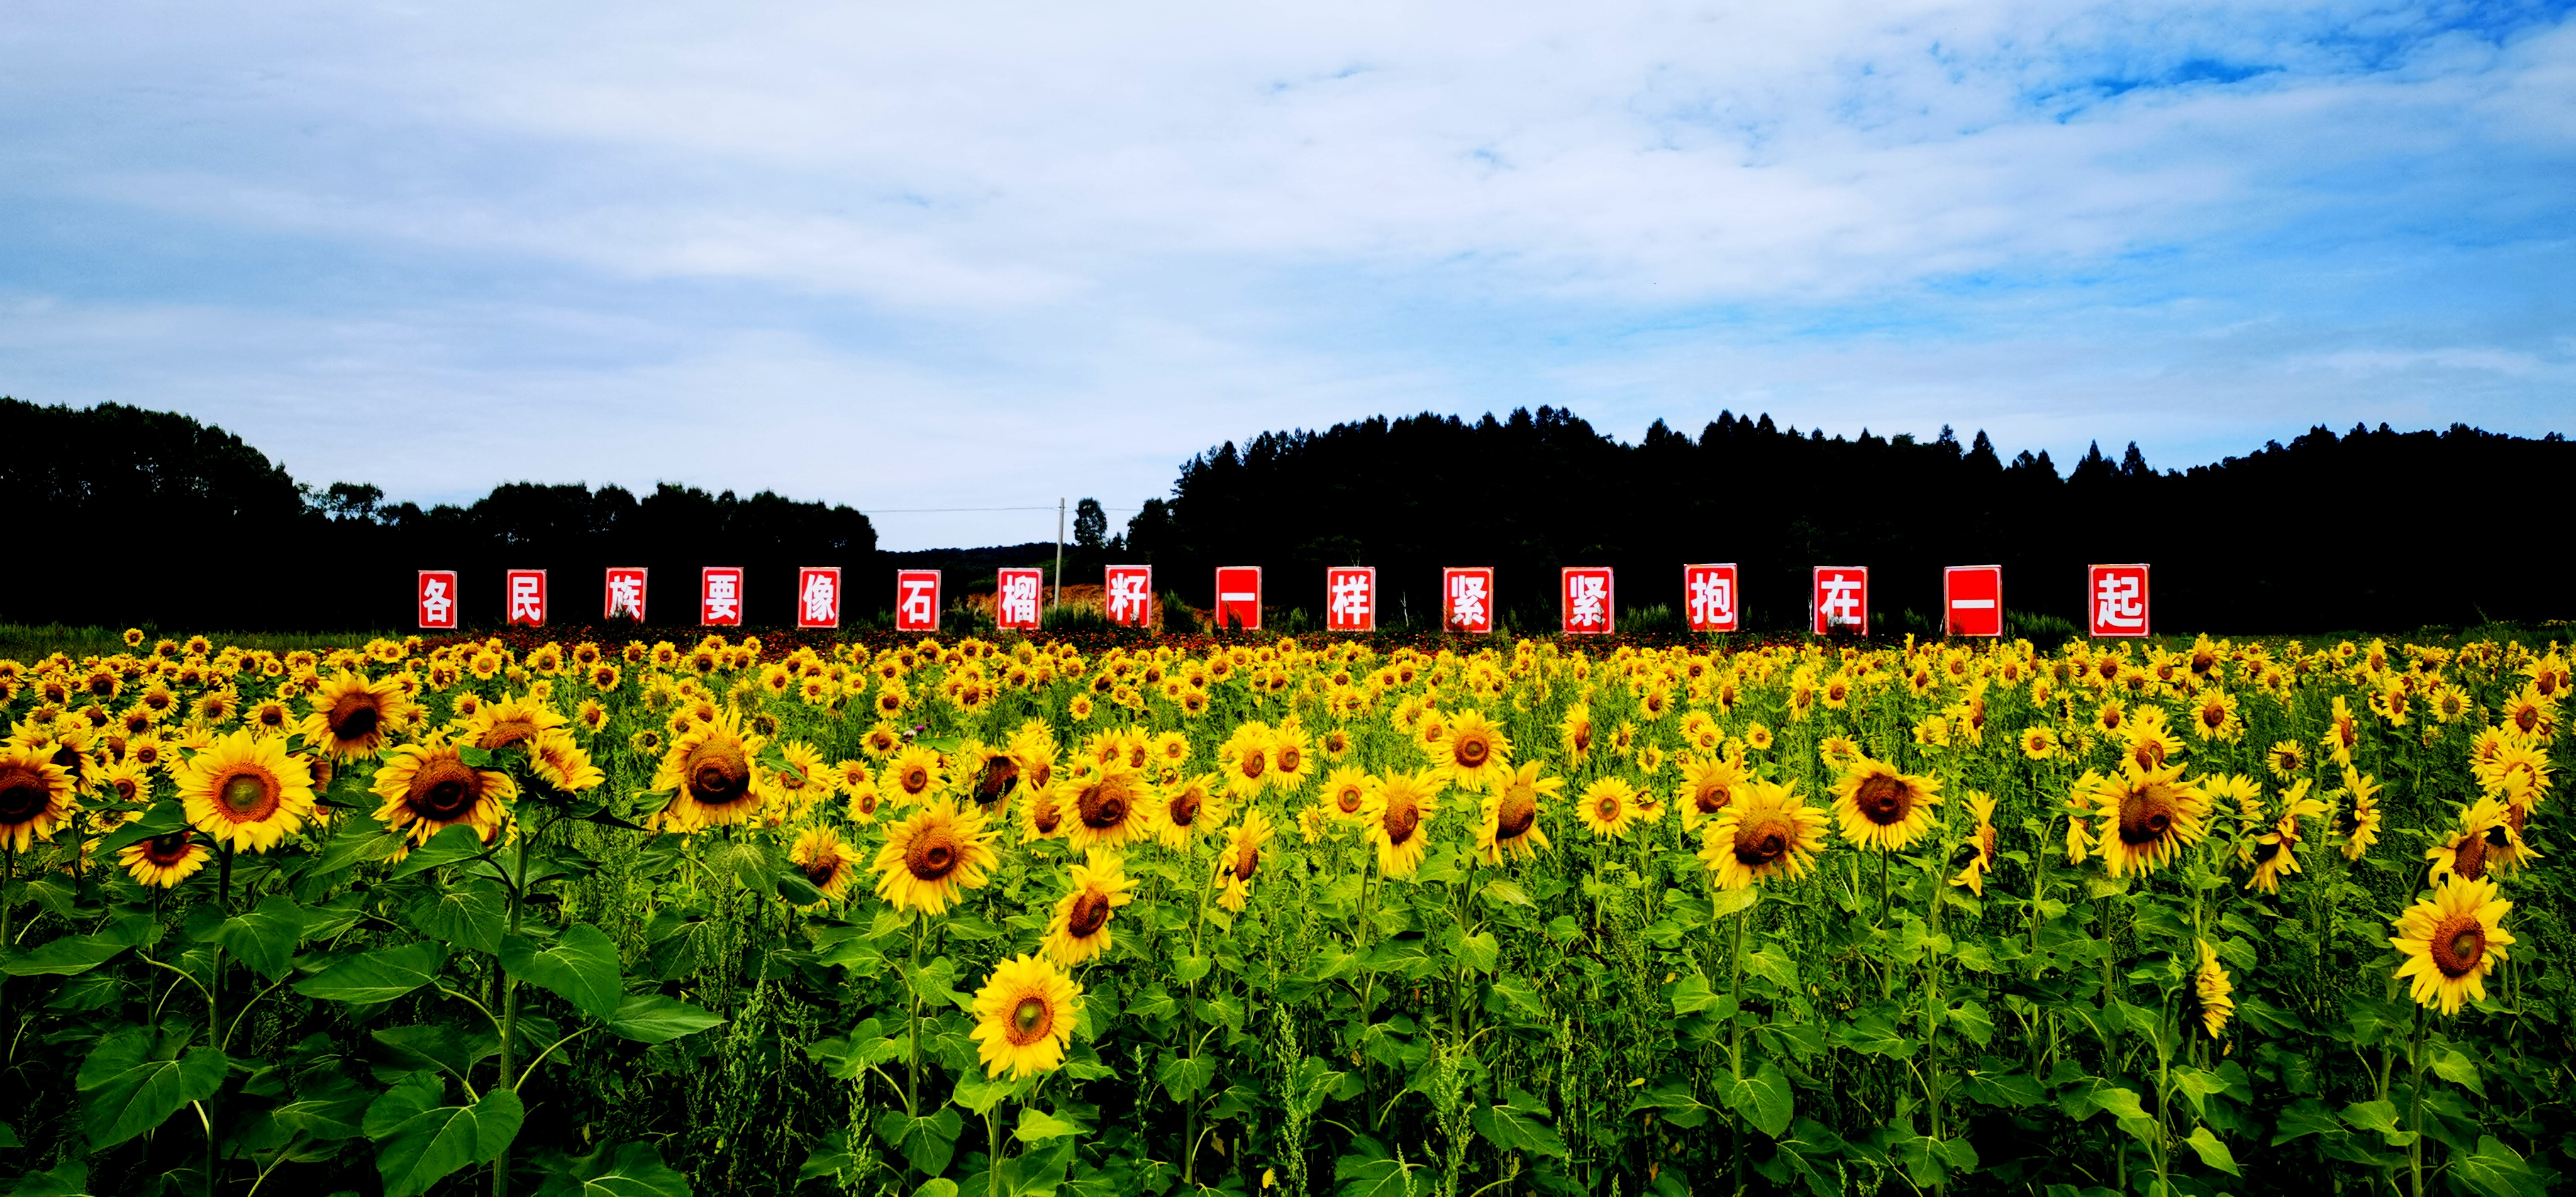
(2146, 816)
(1024, 1017)
(932, 855)
(2210, 986)
(1245, 759)
(1510, 825)
(1608, 808)
(1109, 808)
(2213, 715)
(2451, 941)
(2365, 813)
(1757, 738)
(711, 775)
(1475, 755)
(563, 763)
(1709, 787)
(1241, 859)
(125, 781)
(1042, 816)
(1838, 753)
(864, 801)
(2343, 733)
(2528, 714)
(509, 722)
(246, 792)
(430, 788)
(1768, 832)
(1575, 731)
(1397, 809)
(2486, 842)
(1981, 846)
(1292, 757)
(350, 715)
(912, 776)
(2149, 743)
(881, 740)
(992, 774)
(1187, 808)
(2286, 759)
(1080, 929)
(1880, 807)
(35, 796)
(163, 861)
(827, 863)
(1346, 793)
(2038, 743)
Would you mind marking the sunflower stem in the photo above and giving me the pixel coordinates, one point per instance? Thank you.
(2415, 1104)
(510, 1011)
(912, 1078)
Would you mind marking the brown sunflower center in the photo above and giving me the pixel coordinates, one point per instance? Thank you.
(1185, 807)
(822, 869)
(1763, 839)
(1290, 758)
(2266, 850)
(125, 788)
(1046, 816)
(1883, 799)
(2213, 716)
(1089, 914)
(1607, 808)
(2469, 857)
(250, 795)
(443, 790)
(1030, 1020)
(1401, 820)
(1247, 860)
(995, 781)
(1516, 812)
(23, 796)
(2147, 815)
(932, 855)
(1472, 751)
(1712, 797)
(1253, 763)
(1583, 737)
(2458, 945)
(507, 732)
(717, 773)
(1103, 804)
(355, 716)
(168, 850)
(915, 779)
(2527, 718)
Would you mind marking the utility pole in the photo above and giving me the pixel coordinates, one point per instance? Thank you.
(1059, 552)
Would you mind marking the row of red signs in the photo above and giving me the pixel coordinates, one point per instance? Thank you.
(1838, 601)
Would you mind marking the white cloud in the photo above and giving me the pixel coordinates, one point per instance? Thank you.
(948, 252)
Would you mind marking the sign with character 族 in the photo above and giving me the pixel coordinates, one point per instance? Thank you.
(623, 596)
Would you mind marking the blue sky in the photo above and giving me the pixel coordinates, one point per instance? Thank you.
(969, 254)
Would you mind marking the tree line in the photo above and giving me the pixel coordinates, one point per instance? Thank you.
(129, 516)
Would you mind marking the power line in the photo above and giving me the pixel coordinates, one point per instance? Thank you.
(924, 510)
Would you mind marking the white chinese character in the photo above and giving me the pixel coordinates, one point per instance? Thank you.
(626, 596)
(1842, 600)
(1018, 600)
(822, 605)
(525, 602)
(724, 597)
(1712, 598)
(1467, 600)
(1585, 595)
(1127, 597)
(2117, 603)
(916, 605)
(1350, 599)
(434, 602)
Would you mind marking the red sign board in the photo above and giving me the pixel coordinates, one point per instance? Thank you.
(437, 596)
(2117, 597)
(1238, 597)
(818, 596)
(1585, 594)
(1710, 597)
(623, 596)
(1972, 600)
(1839, 600)
(1350, 598)
(1467, 599)
(916, 600)
(720, 596)
(1129, 597)
(1017, 596)
(524, 591)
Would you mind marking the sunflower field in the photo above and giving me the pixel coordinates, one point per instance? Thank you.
(1101, 914)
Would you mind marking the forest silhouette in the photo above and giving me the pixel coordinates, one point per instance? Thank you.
(141, 517)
